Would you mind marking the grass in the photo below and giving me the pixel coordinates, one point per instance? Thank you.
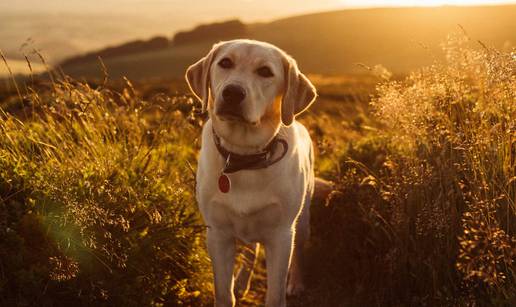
(96, 189)
(424, 212)
(97, 184)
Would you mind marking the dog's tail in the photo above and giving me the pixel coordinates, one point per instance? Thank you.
(322, 189)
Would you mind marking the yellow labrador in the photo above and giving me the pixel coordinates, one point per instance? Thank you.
(255, 175)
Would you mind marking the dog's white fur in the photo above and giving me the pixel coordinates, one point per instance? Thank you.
(269, 205)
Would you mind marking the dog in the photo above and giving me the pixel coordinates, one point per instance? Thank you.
(255, 176)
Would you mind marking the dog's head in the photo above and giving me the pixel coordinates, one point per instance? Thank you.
(249, 89)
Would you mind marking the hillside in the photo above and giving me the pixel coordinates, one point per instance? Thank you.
(133, 47)
(97, 191)
(398, 38)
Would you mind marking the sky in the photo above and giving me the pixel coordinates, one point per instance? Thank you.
(369, 3)
(67, 27)
(204, 10)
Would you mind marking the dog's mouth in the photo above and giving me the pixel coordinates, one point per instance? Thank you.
(234, 117)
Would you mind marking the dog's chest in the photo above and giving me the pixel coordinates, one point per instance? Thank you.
(258, 202)
(250, 191)
(254, 227)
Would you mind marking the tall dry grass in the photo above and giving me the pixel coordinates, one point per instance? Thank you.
(96, 198)
(424, 213)
(458, 121)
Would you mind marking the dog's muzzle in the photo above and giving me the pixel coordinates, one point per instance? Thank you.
(231, 104)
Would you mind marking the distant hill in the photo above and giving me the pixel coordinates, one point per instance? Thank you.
(20, 67)
(211, 32)
(134, 47)
(327, 43)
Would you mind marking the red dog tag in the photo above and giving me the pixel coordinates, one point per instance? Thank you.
(224, 183)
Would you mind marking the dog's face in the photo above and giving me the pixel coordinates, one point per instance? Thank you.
(246, 79)
(249, 89)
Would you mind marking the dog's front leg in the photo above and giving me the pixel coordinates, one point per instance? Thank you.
(278, 251)
(221, 248)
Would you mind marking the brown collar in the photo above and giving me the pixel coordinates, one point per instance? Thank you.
(236, 162)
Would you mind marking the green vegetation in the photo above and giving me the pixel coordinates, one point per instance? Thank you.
(96, 199)
(424, 212)
(97, 184)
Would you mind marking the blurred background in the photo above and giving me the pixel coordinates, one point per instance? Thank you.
(158, 38)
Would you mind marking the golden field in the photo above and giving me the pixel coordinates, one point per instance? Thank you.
(97, 189)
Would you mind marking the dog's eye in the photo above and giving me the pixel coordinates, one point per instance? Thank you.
(225, 63)
(265, 72)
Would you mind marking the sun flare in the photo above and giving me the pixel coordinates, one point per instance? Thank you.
(421, 2)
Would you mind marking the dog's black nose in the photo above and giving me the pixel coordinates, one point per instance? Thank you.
(233, 94)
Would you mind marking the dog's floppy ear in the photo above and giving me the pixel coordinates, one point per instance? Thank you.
(299, 92)
(198, 77)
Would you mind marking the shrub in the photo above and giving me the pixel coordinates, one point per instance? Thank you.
(96, 200)
(425, 210)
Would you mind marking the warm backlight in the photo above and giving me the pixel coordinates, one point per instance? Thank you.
(421, 2)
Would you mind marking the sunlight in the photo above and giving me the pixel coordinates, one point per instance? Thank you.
(363, 3)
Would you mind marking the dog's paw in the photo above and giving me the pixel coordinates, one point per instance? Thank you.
(295, 287)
